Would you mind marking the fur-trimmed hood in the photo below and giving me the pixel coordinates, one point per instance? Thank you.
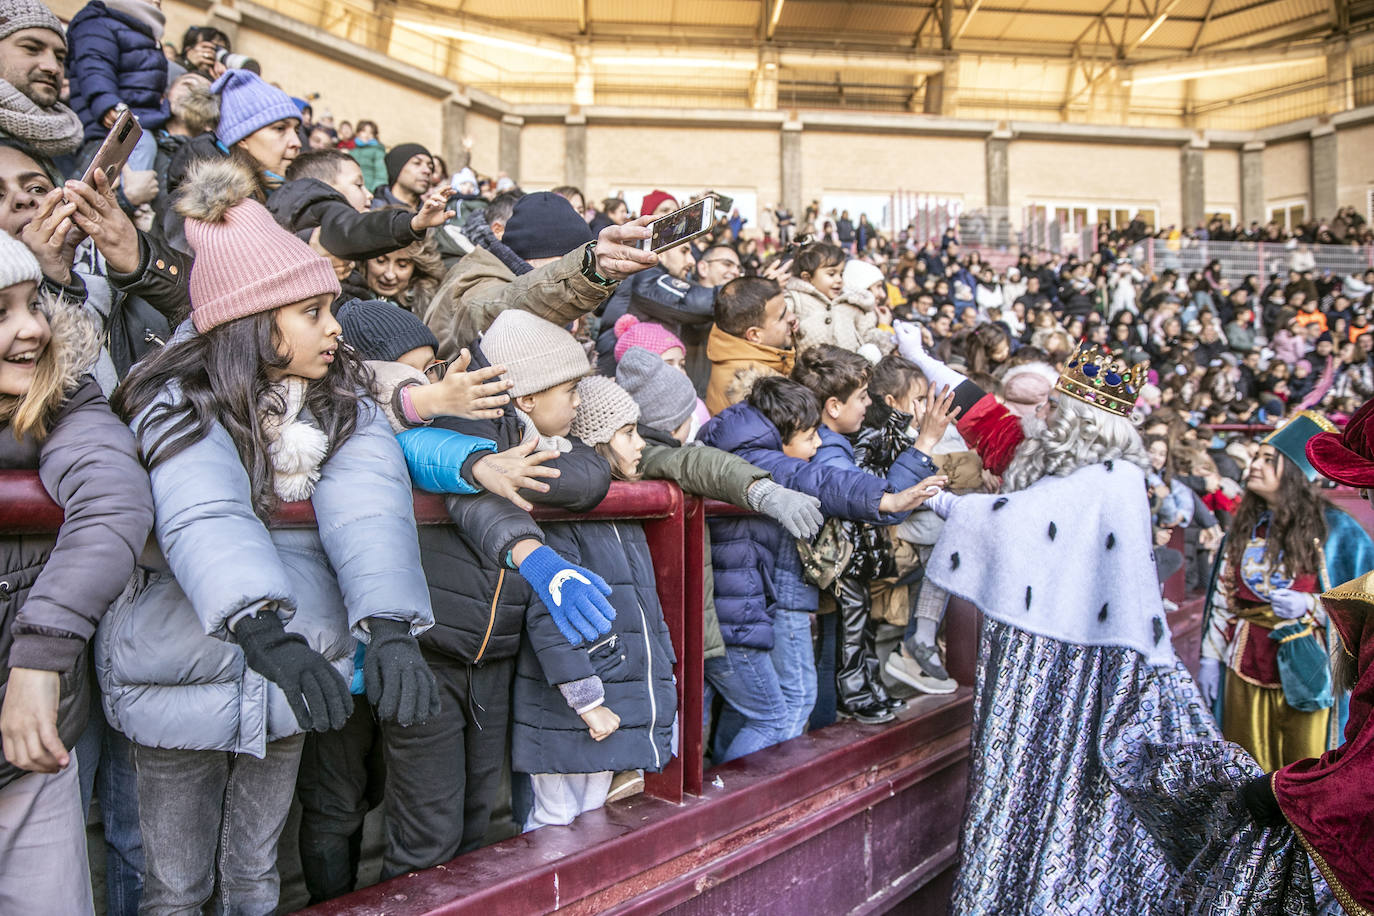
(74, 344)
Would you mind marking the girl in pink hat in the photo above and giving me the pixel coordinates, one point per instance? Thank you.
(631, 332)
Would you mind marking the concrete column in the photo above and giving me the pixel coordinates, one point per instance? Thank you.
(584, 78)
(763, 83)
(1323, 179)
(1252, 183)
(942, 90)
(935, 94)
(995, 153)
(792, 168)
(1192, 186)
(575, 154)
(1340, 83)
(224, 17)
(453, 116)
(510, 146)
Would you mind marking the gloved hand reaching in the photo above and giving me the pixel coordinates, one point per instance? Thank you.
(1288, 604)
(799, 513)
(942, 503)
(575, 597)
(1209, 680)
(1260, 801)
(400, 685)
(910, 345)
(317, 693)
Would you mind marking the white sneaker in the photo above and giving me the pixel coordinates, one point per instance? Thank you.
(909, 671)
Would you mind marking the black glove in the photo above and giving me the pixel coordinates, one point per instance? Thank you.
(1258, 795)
(399, 683)
(317, 693)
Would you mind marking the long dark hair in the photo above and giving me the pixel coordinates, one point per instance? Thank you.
(223, 378)
(1298, 524)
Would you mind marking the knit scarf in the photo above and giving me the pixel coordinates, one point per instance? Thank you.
(478, 231)
(296, 448)
(54, 131)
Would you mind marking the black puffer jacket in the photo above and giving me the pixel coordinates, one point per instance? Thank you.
(344, 232)
(479, 603)
(634, 662)
(54, 590)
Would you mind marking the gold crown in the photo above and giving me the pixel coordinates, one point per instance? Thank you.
(1096, 377)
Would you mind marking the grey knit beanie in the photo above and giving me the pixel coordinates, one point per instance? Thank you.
(17, 263)
(538, 354)
(665, 396)
(604, 409)
(17, 15)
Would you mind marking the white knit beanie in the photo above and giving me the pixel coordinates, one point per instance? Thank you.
(17, 263)
(860, 275)
(605, 408)
(538, 354)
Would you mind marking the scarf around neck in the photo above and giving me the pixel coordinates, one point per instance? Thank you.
(297, 448)
(54, 131)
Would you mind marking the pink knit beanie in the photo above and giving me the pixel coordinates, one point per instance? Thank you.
(245, 263)
(631, 332)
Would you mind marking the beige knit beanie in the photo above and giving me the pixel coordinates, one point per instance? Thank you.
(604, 409)
(538, 354)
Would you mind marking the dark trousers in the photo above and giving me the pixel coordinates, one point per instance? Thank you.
(341, 778)
(857, 683)
(443, 775)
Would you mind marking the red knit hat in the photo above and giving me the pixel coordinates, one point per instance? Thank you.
(1347, 458)
(631, 332)
(245, 263)
(653, 199)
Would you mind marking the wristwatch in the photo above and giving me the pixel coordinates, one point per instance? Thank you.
(589, 267)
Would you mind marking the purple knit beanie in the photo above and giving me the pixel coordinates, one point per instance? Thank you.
(248, 104)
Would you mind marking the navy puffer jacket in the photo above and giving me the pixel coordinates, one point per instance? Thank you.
(750, 583)
(634, 662)
(113, 57)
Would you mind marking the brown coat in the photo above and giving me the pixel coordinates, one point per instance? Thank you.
(480, 287)
(730, 355)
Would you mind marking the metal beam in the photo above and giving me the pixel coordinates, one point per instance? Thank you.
(1197, 39)
(774, 17)
(582, 16)
(946, 14)
(972, 9)
(1160, 16)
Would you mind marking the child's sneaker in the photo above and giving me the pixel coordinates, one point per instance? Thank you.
(625, 784)
(872, 714)
(920, 669)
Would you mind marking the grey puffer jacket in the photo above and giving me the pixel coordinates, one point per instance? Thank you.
(171, 672)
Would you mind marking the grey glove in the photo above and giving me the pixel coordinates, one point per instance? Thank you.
(799, 513)
(1209, 680)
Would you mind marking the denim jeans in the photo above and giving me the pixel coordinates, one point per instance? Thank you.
(107, 770)
(210, 815)
(828, 627)
(747, 681)
(794, 659)
(43, 866)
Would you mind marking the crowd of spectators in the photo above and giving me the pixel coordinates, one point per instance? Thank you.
(265, 307)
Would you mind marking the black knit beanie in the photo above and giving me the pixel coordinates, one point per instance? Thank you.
(380, 330)
(397, 158)
(544, 225)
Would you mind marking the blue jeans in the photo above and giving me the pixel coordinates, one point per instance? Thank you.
(107, 768)
(794, 660)
(747, 681)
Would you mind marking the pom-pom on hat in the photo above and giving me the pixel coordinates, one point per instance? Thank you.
(631, 332)
(1347, 457)
(605, 408)
(247, 104)
(665, 396)
(380, 330)
(244, 262)
(17, 263)
(538, 354)
(544, 225)
(653, 199)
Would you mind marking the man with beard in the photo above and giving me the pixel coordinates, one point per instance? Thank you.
(755, 333)
(1099, 781)
(409, 170)
(33, 51)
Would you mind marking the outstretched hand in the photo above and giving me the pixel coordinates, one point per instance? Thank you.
(433, 210)
(939, 413)
(618, 254)
(476, 395)
(912, 497)
(507, 473)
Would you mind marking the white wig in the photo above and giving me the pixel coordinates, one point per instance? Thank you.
(1076, 435)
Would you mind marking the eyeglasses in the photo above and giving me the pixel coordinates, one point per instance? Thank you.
(435, 370)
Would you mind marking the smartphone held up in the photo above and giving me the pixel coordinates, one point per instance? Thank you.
(115, 151)
(694, 220)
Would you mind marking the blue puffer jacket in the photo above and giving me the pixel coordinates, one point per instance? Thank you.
(111, 58)
(910, 468)
(171, 672)
(750, 582)
(634, 662)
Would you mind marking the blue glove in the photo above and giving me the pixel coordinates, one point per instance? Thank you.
(1288, 604)
(575, 597)
(435, 457)
(1209, 680)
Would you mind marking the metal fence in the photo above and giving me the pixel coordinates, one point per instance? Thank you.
(1240, 259)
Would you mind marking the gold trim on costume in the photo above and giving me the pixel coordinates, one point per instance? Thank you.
(1350, 904)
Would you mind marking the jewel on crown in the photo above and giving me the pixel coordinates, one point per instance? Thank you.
(1095, 376)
